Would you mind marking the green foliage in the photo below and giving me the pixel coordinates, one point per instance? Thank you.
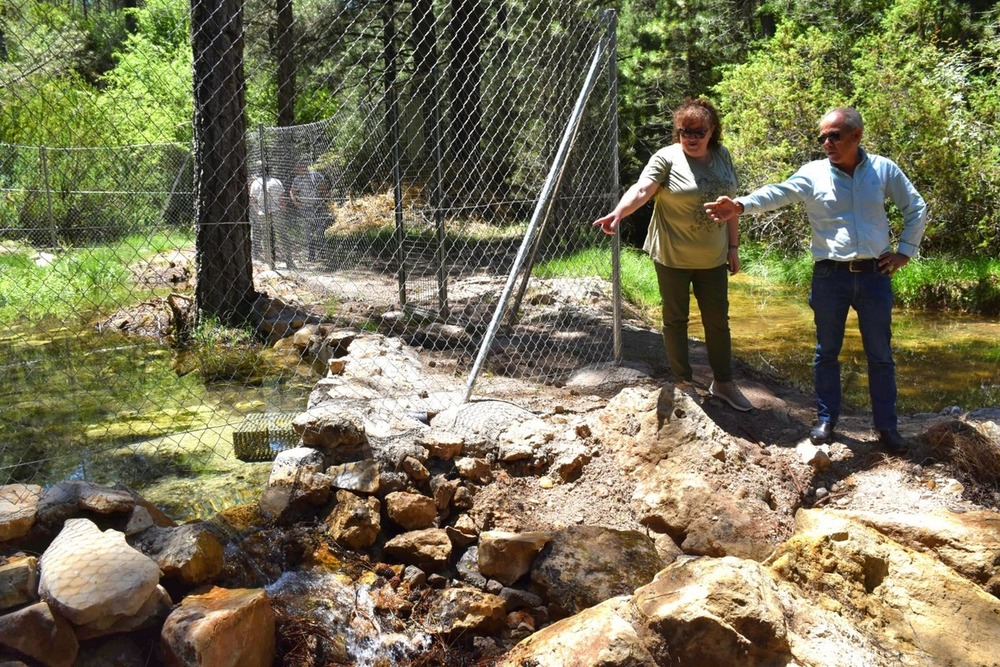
(943, 282)
(928, 104)
(148, 94)
(950, 283)
(72, 285)
(671, 50)
(770, 106)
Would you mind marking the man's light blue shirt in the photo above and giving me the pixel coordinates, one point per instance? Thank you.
(847, 215)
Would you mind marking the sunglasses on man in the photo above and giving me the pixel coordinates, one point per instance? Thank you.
(832, 136)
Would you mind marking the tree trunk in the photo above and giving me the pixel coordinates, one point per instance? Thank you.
(465, 65)
(425, 58)
(225, 275)
(284, 46)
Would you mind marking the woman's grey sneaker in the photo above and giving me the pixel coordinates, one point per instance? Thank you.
(730, 393)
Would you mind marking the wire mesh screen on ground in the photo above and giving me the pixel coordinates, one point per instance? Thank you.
(164, 280)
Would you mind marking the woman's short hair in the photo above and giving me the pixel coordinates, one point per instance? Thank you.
(702, 111)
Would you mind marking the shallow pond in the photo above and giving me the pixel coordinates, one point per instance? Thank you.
(941, 359)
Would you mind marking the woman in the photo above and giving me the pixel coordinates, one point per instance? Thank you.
(689, 249)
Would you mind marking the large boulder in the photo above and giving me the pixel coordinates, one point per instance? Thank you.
(837, 592)
(584, 565)
(679, 456)
(220, 628)
(91, 576)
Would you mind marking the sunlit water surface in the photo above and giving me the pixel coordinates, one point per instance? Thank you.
(941, 359)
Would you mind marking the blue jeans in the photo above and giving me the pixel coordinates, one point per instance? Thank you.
(832, 293)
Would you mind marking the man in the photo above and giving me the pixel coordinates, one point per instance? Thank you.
(308, 195)
(844, 198)
(267, 214)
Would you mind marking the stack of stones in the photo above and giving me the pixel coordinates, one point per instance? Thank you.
(117, 580)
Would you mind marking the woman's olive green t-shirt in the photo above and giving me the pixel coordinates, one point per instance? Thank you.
(681, 235)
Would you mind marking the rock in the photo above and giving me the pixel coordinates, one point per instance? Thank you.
(813, 456)
(525, 438)
(463, 533)
(18, 581)
(732, 606)
(415, 469)
(462, 500)
(115, 651)
(443, 490)
(139, 521)
(18, 508)
(506, 556)
(458, 611)
(105, 501)
(467, 568)
(570, 460)
(39, 634)
(477, 470)
(296, 484)
(584, 565)
(442, 444)
(89, 575)
(69, 499)
(424, 548)
(357, 476)
(665, 438)
(190, 553)
(968, 543)
(330, 427)
(149, 615)
(898, 602)
(517, 598)
(411, 511)
(604, 635)
(482, 423)
(354, 522)
(220, 627)
(291, 465)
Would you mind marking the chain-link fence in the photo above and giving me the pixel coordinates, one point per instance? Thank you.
(442, 199)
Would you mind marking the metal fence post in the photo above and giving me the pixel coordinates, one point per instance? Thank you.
(611, 17)
(43, 159)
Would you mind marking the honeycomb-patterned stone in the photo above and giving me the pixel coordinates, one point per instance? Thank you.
(87, 574)
(18, 507)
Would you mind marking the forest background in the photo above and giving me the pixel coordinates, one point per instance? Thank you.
(923, 73)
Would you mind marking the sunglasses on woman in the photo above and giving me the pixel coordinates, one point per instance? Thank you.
(689, 133)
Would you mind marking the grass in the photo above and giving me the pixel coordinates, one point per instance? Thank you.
(71, 284)
(950, 284)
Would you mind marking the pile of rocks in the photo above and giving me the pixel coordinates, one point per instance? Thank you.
(376, 525)
(117, 577)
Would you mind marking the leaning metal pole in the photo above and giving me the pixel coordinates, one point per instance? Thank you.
(555, 173)
(616, 243)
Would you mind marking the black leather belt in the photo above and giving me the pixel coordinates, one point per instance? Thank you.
(854, 265)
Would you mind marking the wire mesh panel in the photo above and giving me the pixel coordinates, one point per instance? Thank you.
(415, 172)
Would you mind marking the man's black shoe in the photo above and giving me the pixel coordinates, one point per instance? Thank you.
(821, 432)
(893, 441)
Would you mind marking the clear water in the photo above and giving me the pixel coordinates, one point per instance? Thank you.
(941, 359)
